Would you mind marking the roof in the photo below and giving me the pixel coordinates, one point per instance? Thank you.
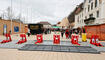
(12, 20)
(44, 23)
(79, 8)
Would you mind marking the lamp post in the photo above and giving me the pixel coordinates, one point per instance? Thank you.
(11, 18)
(20, 16)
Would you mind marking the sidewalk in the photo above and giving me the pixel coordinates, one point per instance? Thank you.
(13, 54)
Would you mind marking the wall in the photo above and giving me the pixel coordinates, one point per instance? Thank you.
(64, 23)
(96, 30)
(79, 21)
(14, 23)
(26, 28)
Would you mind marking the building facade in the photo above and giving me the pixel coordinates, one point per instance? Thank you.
(79, 21)
(45, 24)
(64, 23)
(71, 18)
(90, 9)
(17, 27)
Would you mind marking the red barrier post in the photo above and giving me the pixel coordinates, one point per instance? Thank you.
(74, 39)
(8, 38)
(56, 39)
(39, 38)
(92, 41)
(23, 39)
(97, 41)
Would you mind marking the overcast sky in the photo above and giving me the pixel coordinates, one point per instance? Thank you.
(41, 10)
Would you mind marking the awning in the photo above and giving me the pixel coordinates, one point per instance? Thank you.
(56, 27)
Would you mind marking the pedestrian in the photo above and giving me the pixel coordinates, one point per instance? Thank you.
(70, 33)
(62, 33)
(67, 33)
(10, 32)
(28, 32)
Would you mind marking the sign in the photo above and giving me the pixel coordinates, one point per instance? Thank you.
(16, 29)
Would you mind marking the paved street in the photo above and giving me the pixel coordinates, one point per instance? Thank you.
(10, 49)
(54, 21)
(14, 54)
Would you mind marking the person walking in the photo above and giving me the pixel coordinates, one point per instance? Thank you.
(28, 32)
(67, 34)
(62, 33)
(70, 33)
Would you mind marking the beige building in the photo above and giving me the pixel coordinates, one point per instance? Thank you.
(64, 23)
(5, 27)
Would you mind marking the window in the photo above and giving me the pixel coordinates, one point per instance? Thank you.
(90, 1)
(95, 3)
(97, 14)
(82, 21)
(92, 6)
(5, 29)
(78, 20)
(82, 14)
(85, 10)
(85, 17)
(88, 8)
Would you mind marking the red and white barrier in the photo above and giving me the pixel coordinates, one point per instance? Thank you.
(56, 39)
(23, 39)
(74, 39)
(39, 38)
(8, 38)
(95, 40)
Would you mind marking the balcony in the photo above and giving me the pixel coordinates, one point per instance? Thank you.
(89, 20)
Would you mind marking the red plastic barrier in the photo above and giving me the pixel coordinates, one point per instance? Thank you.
(8, 38)
(39, 38)
(92, 41)
(95, 40)
(74, 39)
(56, 39)
(23, 39)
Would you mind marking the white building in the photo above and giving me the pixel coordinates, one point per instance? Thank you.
(91, 9)
(79, 21)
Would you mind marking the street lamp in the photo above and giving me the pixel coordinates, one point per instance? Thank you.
(11, 18)
(20, 15)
